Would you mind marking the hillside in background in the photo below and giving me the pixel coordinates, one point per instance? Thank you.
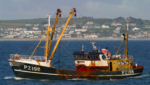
(79, 21)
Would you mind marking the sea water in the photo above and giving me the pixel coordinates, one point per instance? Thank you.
(63, 59)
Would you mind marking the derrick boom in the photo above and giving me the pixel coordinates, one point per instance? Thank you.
(71, 13)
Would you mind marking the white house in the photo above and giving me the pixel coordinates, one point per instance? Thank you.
(115, 23)
(28, 24)
(91, 36)
(97, 27)
(80, 30)
(36, 25)
(45, 25)
(105, 26)
(147, 26)
(89, 22)
(71, 32)
(67, 35)
(132, 24)
(85, 27)
(117, 30)
(135, 28)
(35, 28)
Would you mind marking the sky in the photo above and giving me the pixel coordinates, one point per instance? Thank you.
(29, 9)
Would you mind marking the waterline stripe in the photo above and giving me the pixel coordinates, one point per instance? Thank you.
(34, 72)
(72, 75)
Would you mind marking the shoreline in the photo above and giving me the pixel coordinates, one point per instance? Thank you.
(38, 39)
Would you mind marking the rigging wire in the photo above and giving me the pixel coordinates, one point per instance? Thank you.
(66, 44)
(24, 47)
(62, 62)
(30, 48)
(63, 14)
(66, 47)
(68, 52)
(59, 48)
(77, 35)
(82, 16)
(67, 65)
(79, 13)
(66, 57)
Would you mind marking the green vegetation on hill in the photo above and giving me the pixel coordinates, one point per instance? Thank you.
(79, 21)
(24, 21)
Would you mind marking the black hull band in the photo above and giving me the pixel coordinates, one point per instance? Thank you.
(49, 73)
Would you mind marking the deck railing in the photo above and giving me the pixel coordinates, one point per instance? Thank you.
(122, 56)
(12, 56)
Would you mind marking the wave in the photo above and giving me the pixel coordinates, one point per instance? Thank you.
(78, 79)
(9, 78)
(19, 78)
(116, 79)
(16, 78)
(142, 76)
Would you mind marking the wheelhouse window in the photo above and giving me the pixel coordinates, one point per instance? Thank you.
(79, 57)
(86, 56)
(89, 57)
(82, 56)
(97, 57)
(75, 56)
(92, 57)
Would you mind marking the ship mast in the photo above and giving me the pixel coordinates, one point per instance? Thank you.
(48, 40)
(126, 44)
(49, 29)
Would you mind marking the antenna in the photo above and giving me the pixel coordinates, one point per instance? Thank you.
(49, 19)
(128, 21)
(94, 47)
(82, 47)
(99, 48)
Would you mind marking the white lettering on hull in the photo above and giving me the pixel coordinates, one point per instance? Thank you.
(127, 72)
(32, 68)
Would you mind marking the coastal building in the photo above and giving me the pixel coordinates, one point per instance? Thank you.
(105, 26)
(147, 26)
(89, 23)
(85, 27)
(135, 29)
(71, 32)
(35, 28)
(97, 27)
(114, 35)
(80, 30)
(45, 25)
(79, 35)
(116, 24)
(91, 36)
(10, 29)
(28, 24)
(132, 24)
(73, 25)
(36, 25)
(67, 35)
(117, 30)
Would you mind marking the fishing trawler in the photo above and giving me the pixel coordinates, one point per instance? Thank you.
(95, 65)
